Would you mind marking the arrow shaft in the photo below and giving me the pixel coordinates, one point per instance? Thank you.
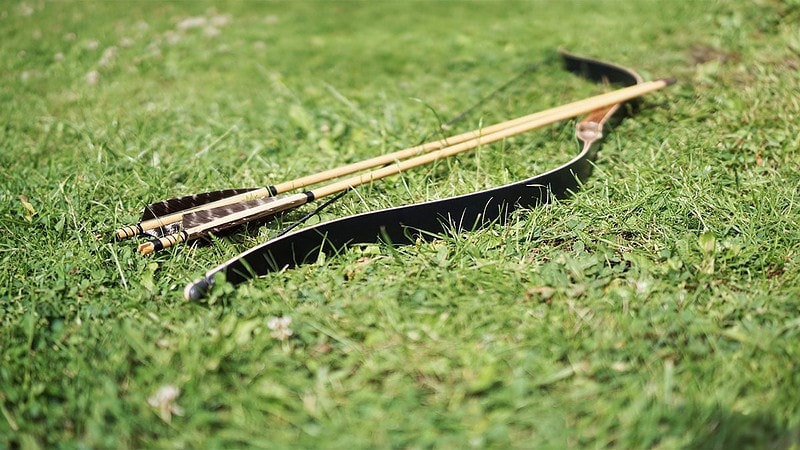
(502, 131)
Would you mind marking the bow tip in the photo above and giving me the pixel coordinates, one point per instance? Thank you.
(196, 290)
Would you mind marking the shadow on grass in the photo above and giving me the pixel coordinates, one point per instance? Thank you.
(724, 429)
(710, 427)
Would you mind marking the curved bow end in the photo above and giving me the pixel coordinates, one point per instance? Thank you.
(197, 290)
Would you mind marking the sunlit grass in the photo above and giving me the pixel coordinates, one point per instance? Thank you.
(657, 307)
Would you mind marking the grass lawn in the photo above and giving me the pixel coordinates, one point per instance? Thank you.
(657, 307)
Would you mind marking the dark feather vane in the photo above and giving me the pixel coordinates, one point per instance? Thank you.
(197, 218)
(174, 205)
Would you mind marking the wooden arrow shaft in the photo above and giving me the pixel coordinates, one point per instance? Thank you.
(501, 131)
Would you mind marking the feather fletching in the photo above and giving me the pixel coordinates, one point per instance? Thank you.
(174, 205)
(197, 218)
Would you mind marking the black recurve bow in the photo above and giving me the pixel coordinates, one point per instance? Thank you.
(406, 224)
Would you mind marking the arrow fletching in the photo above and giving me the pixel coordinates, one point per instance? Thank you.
(178, 204)
(198, 218)
(163, 218)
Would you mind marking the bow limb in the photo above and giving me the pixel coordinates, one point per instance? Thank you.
(405, 224)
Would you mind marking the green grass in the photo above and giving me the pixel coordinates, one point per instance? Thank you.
(658, 307)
